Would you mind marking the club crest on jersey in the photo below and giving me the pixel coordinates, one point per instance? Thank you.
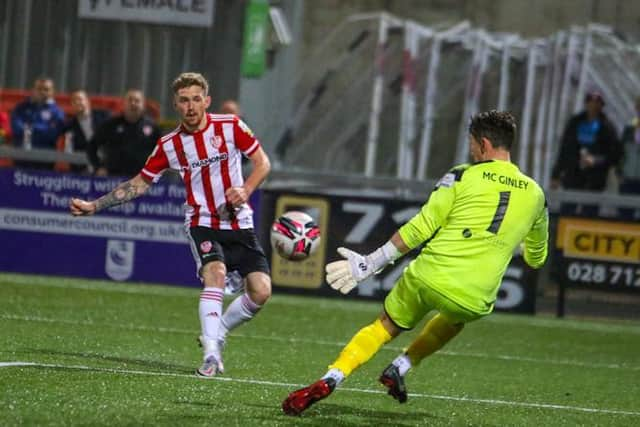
(206, 246)
(216, 141)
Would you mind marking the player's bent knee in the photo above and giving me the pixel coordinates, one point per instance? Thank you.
(388, 323)
(259, 287)
(213, 274)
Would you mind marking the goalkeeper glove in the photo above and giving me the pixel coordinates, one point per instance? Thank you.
(344, 275)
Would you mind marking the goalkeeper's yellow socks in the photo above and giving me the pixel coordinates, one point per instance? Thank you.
(361, 348)
(436, 333)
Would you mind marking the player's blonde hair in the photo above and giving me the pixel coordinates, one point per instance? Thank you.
(190, 79)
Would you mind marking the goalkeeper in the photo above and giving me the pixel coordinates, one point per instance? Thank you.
(476, 217)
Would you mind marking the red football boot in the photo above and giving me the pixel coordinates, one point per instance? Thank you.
(300, 400)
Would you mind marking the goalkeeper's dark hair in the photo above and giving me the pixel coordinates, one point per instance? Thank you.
(499, 127)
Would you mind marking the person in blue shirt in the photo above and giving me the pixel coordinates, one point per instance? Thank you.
(588, 149)
(37, 122)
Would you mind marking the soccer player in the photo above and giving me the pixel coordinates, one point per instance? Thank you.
(475, 218)
(206, 149)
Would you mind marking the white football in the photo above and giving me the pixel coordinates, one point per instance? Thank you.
(295, 236)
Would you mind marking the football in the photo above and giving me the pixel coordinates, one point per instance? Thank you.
(295, 236)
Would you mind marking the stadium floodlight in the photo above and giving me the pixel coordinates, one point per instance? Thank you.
(280, 26)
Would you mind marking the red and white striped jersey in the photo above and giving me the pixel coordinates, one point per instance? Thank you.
(209, 162)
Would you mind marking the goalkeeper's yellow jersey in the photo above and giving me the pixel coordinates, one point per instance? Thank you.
(473, 221)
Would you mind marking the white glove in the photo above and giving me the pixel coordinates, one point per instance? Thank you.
(344, 275)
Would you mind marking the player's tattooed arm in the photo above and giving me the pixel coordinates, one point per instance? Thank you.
(123, 193)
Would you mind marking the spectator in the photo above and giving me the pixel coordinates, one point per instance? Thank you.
(630, 164)
(80, 128)
(230, 107)
(37, 121)
(123, 143)
(5, 137)
(5, 128)
(589, 147)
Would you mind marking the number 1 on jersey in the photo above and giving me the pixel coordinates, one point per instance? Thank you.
(500, 212)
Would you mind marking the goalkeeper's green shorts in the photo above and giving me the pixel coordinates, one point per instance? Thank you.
(409, 301)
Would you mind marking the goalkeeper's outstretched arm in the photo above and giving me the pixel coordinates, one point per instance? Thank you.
(344, 275)
(123, 193)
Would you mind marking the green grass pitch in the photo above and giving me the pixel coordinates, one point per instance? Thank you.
(76, 352)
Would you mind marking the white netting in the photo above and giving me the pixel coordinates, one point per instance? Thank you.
(334, 100)
(386, 97)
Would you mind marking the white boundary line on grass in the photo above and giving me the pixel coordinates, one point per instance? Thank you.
(574, 363)
(290, 385)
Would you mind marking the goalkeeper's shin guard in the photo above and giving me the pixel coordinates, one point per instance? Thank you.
(362, 347)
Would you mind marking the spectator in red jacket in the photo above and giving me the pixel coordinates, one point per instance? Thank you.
(5, 128)
(5, 137)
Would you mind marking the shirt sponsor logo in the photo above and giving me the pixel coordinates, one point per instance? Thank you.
(206, 162)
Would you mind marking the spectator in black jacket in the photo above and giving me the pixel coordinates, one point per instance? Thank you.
(81, 127)
(589, 148)
(123, 143)
(630, 163)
